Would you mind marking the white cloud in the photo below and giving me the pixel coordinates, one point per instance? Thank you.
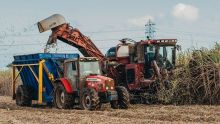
(141, 21)
(185, 12)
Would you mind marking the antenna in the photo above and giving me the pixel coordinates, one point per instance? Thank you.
(150, 30)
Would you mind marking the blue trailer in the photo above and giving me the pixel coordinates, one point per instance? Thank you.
(37, 72)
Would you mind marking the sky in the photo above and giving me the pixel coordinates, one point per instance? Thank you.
(195, 23)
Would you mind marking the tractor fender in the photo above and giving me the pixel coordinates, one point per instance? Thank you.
(66, 84)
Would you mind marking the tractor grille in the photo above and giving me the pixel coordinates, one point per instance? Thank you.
(110, 84)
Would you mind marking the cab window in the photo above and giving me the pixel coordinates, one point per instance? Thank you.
(149, 53)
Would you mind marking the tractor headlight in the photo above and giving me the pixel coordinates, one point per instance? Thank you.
(106, 88)
(109, 84)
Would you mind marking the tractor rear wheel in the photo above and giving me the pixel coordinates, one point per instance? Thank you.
(123, 98)
(90, 100)
(23, 96)
(62, 99)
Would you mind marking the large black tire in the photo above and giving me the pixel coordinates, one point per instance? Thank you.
(90, 100)
(114, 104)
(123, 98)
(23, 96)
(62, 99)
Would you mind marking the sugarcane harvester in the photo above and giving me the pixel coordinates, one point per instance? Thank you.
(143, 67)
(138, 66)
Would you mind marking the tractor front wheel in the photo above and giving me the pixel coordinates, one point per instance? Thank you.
(90, 99)
(114, 104)
(123, 98)
(62, 99)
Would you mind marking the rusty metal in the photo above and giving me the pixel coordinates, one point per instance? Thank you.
(74, 37)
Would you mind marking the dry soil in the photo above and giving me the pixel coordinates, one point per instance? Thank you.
(12, 114)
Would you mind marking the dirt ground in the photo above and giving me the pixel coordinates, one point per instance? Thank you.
(12, 114)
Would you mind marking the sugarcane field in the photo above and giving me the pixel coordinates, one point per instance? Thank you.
(109, 62)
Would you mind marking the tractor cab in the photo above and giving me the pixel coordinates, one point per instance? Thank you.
(86, 73)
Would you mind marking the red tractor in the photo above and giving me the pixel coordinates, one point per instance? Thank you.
(135, 65)
(83, 84)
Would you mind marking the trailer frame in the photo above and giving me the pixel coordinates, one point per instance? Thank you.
(38, 78)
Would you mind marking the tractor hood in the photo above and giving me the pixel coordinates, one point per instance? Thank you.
(100, 83)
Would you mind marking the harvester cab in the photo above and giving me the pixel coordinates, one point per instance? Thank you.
(163, 51)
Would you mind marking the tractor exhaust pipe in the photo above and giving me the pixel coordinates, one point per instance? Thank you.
(51, 22)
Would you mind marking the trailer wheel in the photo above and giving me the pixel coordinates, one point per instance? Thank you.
(90, 100)
(62, 99)
(123, 98)
(23, 96)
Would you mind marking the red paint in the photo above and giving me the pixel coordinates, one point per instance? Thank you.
(123, 60)
(66, 85)
(96, 85)
(75, 38)
(139, 79)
